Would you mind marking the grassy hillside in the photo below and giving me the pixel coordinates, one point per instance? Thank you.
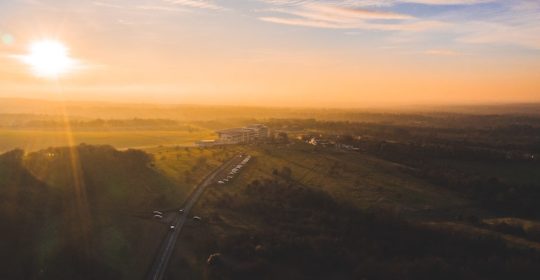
(295, 212)
(275, 228)
(359, 179)
(79, 213)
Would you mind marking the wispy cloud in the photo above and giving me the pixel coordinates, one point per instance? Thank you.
(319, 15)
(163, 5)
(502, 22)
(442, 52)
(199, 4)
(161, 8)
(445, 2)
(108, 5)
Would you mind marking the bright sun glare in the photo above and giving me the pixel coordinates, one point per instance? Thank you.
(49, 59)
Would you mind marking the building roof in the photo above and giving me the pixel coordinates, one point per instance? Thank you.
(235, 130)
(206, 141)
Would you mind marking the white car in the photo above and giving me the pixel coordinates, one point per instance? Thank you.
(221, 182)
(158, 216)
(197, 218)
(181, 210)
(157, 213)
(172, 227)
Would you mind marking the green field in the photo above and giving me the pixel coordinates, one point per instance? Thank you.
(359, 179)
(123, 187)
(33, 140)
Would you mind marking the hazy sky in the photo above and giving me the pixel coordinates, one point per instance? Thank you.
(279, 52)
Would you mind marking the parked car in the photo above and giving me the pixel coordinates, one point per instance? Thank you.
(172, 227)
(156, 216)
(197, 218)
(157, 213)
(221, 182)
(181, 211)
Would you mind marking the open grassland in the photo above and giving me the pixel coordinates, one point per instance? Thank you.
(354, 177)
(32, 140)
(85, 212)
(186, 166)
(293, 206)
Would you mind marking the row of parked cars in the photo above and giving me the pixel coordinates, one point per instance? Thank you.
(235, 170)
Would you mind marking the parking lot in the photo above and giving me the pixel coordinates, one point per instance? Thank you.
(228, 174)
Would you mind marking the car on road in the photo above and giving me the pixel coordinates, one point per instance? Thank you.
(181, 211)
(172, 227)
(157, 213)
(197, 218)
(156, 216)
(221, 182)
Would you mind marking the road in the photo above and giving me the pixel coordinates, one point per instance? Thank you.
(157, 271)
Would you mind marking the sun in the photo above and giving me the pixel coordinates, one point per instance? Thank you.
(49, 59)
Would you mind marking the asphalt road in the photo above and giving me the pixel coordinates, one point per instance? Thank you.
(159, 267)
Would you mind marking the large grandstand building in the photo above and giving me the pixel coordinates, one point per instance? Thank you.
(243, 135)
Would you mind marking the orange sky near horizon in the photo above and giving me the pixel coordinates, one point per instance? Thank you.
(185, 53)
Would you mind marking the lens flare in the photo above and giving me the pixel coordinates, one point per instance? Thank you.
(7, 39)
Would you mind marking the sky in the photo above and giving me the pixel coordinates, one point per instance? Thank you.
(323, 53)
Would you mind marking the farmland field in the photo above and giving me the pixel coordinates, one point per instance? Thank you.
(32, 140)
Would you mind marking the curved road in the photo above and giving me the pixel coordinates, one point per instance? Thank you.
(166, 249)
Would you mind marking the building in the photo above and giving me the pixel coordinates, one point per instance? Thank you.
(261, 130)
(243, 135)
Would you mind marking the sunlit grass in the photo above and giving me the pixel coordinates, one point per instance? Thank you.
(32, 140)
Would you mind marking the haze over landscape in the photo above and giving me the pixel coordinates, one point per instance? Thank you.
(270, 139)
(335, 53)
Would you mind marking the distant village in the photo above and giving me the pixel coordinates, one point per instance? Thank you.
(260, 133)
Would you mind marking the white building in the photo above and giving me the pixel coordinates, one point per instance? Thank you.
(243, 135)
